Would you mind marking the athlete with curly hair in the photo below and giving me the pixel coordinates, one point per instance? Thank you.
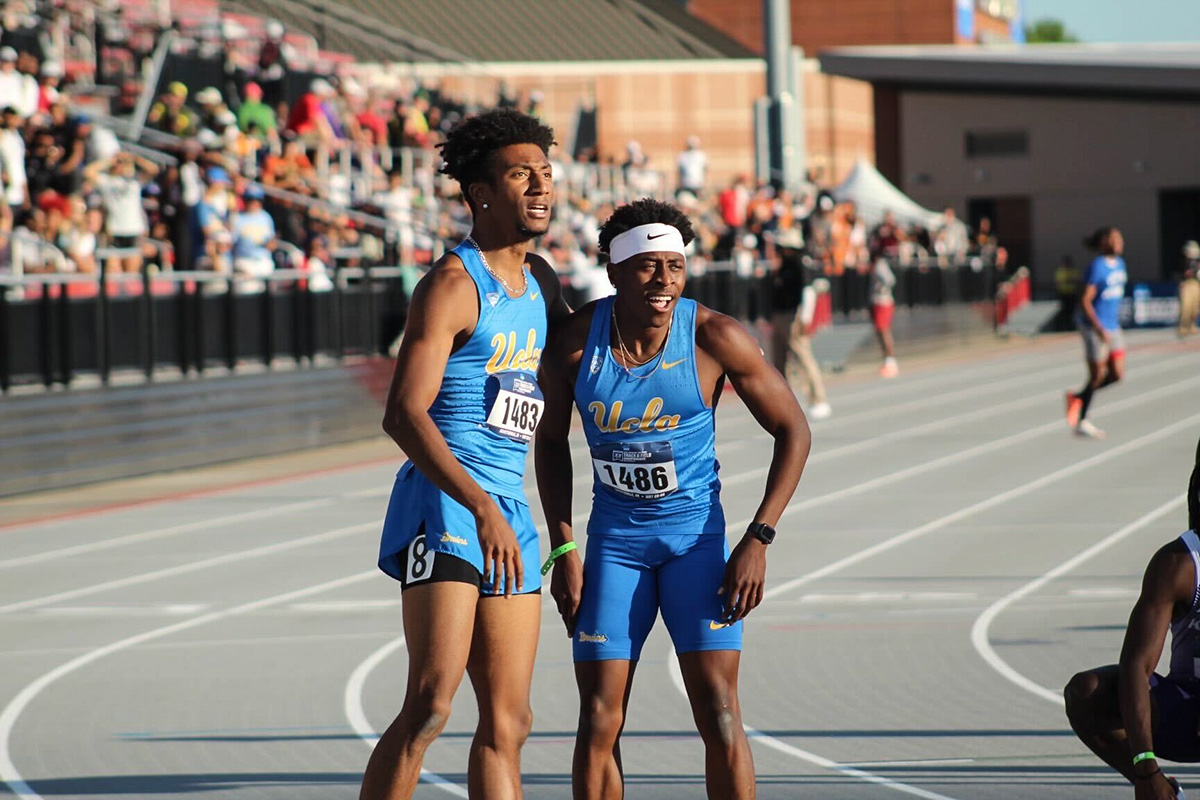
(463, 406)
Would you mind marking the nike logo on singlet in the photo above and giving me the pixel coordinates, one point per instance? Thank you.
(668, 365)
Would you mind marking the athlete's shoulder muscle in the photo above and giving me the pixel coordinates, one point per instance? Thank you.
(726, 341)
(444, 301)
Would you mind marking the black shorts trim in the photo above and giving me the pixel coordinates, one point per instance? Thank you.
(420, 565)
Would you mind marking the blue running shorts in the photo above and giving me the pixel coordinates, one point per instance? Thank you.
(419, 509)
(628, 579)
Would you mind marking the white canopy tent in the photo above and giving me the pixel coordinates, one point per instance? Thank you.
(873, 195)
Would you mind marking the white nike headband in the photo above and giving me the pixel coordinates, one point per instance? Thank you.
(655, 237)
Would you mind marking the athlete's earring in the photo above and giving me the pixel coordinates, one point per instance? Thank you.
(485, 205)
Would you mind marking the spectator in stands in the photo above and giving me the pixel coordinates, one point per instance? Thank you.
(70, 134)
(953, 238)
(308, 120)
(1189, 289)
(733, 202)
(119, 183)
(693, 168)
(51, 76)
(12, 161)
(171, 113)
(212, 233)
(274, 57)
(397, 124)
(370, 122)
(12, 82)
(27, 66)
(253, 232)
(292, 170)
(886, 238)
(210, 109)
(396, 206)
(254, 111)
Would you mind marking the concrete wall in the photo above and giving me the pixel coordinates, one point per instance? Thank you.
(1090, 162)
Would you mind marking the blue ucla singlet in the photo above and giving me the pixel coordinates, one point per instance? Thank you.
(490, 403)
(651, 436)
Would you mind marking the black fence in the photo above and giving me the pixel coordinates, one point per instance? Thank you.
(54, 327)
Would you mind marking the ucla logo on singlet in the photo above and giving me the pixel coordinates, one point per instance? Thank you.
(609, 420)
(506, 357)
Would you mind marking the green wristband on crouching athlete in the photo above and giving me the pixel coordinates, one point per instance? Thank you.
(1146, 756)
(556, 553)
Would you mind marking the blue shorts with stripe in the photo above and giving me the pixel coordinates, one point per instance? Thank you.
(629, 579)
(418, 507)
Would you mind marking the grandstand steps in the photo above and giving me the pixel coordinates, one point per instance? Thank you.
(60, 440)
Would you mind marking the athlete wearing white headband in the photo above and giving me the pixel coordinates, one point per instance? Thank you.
(654, 237)
(645, 369)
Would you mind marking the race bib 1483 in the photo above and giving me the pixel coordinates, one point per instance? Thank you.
(516, 405)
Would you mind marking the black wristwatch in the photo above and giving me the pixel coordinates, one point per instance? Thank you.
(761, 531)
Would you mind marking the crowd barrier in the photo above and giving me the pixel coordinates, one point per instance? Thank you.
(55, 327)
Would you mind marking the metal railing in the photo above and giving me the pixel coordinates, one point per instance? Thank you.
(100, 324)
(55, 327)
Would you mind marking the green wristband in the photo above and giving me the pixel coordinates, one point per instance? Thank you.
(1146, 756)
(556, 553)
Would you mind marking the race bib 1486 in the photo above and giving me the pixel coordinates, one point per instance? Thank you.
(645, 470)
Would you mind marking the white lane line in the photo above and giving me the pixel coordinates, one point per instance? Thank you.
(767, 740)
(925, 762)
(854, 598)
(1112, 591)
(353, 706)
(158, 610)
(980, 630)
(823, 426)
(160, 533)
(342, 606)
(983, 505)
(964, 455)
(183, 569)
(12, 712)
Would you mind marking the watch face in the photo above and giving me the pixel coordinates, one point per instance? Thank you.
(763, 532)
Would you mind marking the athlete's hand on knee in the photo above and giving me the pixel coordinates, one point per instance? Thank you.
(566, 587)
(500, 552)
(745, 578)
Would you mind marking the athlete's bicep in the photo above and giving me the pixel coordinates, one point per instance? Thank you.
(443, 307)
(764, 391)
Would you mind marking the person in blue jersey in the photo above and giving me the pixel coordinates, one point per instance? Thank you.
(1128, 715)
(463, 406)
(646, 369)
(1100, 324)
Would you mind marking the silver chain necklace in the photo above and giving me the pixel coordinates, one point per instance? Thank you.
(629, 358)
(496, 275)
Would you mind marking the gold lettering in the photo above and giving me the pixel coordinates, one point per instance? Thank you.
(498, 342)
(614, 418)
(597, 409)
(652, 410)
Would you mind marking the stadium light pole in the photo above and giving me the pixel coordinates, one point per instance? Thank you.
(783, 118)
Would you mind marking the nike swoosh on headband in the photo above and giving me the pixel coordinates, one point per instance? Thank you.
(657, 235)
